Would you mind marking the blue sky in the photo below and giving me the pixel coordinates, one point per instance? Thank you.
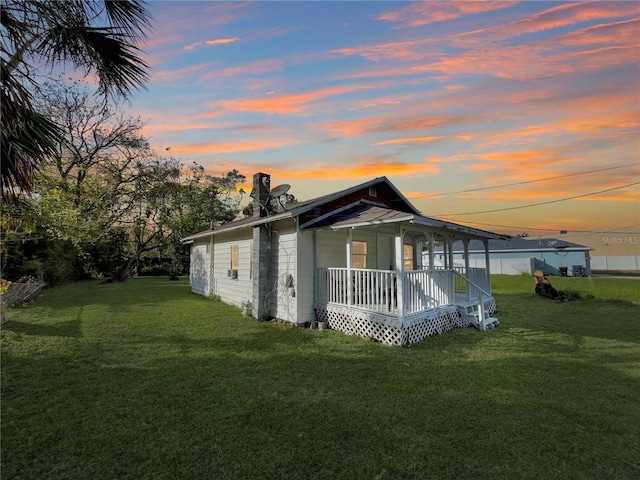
(506, 108)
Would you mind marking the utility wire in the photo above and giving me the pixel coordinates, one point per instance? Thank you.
(618, 230)
(427, 195)
(541, 203)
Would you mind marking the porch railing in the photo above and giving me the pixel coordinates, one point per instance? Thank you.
(386, 291)
(472, 283)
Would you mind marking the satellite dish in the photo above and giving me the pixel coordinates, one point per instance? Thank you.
(280, 190)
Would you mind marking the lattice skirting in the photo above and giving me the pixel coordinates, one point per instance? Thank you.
(490, 307)
(425, 324)
(389, 330)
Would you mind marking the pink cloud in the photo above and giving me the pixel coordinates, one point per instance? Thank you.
(423, 13)
(208, 43)
(409, 140)
(558, 16)
(218, 148)
(284, 104)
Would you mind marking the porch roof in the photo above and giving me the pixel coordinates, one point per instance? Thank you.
(364, 214)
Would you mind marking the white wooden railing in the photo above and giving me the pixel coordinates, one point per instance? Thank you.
(472, 283)
(370, 289)
(380, 290)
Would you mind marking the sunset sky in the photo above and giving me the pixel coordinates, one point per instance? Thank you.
(507, 116)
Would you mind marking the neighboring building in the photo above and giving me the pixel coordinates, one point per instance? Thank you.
(350, 259)
(617, 250)
(522, 255)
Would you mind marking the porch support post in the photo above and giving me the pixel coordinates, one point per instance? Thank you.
(445, 251)
(451, 262)
(487, 270)
(399, 260)
(449, 243)
(349, 267)
(432, 241)
(465, 241)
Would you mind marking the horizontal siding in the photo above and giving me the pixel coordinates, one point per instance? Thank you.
(283, 298)
(305, 287)
(332, 248)
(233, 291)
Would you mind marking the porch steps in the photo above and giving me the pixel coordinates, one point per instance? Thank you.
(470, 312)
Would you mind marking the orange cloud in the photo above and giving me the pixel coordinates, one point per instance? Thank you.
(402, 141)
(217, 148)
(556, 17)
(615, 33)
(285, 104)
(347, 172)
(423, 13)
(616, 44)
(364, 171)
(395, 124)
(207, 43)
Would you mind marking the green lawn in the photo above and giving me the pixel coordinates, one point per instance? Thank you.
(144, 380)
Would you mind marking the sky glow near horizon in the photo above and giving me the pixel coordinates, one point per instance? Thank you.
(440, 97)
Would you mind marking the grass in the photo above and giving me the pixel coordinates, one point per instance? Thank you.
(144, 380)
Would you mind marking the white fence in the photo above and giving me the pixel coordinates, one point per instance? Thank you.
(626, 262)
(519, 266)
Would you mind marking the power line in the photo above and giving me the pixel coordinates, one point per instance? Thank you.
(617, 230)
(427, 195)
(541, 203)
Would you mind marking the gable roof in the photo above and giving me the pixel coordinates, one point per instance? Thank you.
(387, 189)
(342, 211)
(364, 213)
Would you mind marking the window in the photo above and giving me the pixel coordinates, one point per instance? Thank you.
(359, 254)
(234, 257)
(407, 257)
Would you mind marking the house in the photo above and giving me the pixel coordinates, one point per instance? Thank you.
(351, 259)
(612, 250)
(521, 255)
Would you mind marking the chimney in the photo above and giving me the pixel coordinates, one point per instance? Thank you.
(261, 300)
(261, 195)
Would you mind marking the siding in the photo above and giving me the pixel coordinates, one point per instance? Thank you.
(284, 274)
(305, 285)
(233, 291)
(331, 248)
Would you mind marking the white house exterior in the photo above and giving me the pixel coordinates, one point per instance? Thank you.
(351, 259)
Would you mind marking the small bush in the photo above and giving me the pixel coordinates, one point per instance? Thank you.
(154, 271)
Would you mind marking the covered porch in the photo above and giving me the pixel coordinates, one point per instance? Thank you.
(400, 308)
(406, 297)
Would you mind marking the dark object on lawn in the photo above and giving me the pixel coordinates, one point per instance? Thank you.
(545, 289)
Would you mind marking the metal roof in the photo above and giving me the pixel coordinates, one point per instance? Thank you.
(358, 214)
(366, 214)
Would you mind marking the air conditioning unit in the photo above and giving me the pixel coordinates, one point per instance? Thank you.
(232, 273)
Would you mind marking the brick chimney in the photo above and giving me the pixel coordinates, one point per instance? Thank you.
(261, 195)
